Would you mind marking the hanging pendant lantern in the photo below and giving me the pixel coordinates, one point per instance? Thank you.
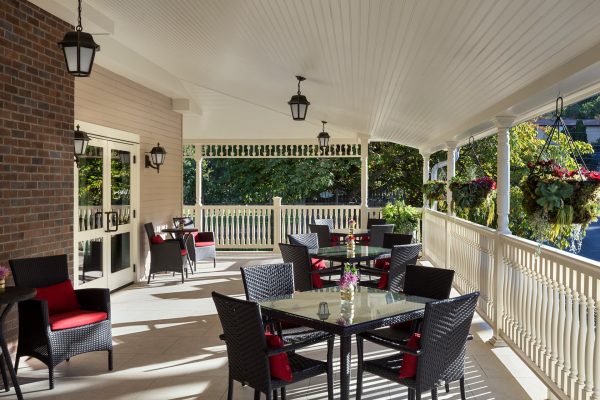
(79, 49)
(323, 137)
(298, 103)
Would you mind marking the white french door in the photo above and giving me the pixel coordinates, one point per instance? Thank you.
(106, 232)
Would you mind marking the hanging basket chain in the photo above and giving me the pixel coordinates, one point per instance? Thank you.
(475, 156)
(559, 124)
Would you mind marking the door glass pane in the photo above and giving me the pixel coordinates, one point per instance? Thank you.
(119, 252)
(120, 175)
(90, 260)
(90, 189)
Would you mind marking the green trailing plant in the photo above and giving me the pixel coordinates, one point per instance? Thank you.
(475, 194)
(404, 217)
(435, 190)
(562, 197)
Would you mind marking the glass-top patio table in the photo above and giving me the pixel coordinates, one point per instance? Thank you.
(370, 309)
(341, 253)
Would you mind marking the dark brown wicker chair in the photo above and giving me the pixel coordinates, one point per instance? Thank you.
(394, 239)
(375, 221)
(203, 246)
(441, 356)
(298, 256)
(273, 280)
(248, 353)
(36, 338)
(401, 256)
(310, 240)
(324, 221)
(323, 233)
(167, 256)
(377, 234)
(434, 283)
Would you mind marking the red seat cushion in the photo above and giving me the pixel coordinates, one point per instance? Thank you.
(60, 297)
(382, 263)
(365, 239)
(75, 318)
(383, 281)
(408, 369)
(157, 239)
(278, 363)
(183, 252)
(204, 244)
(316, 279)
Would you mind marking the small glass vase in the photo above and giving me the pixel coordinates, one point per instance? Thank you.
(351, 245)
(2, 284)
(347, 293)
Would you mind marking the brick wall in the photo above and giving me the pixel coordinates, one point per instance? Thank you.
(36, 136)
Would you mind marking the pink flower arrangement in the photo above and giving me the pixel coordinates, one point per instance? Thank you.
(349, 276)
(4, 272)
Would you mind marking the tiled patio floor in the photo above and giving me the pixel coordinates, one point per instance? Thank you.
(167, 347)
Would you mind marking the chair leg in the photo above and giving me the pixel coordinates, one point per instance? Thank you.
(230, 389)
(447, 386)
(434, 393)
(149, 275)
(214, 262)
(330, 344)
(110, 360)
(17, 358)
(411, 394)
(4, 376)
(275, 394)
(359, 370)
(283, 394)
(463, 395)
(417, 394)
(51, 377)
(269, 395)
(256, 395)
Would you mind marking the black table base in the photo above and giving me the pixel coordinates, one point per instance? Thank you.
(7, 359)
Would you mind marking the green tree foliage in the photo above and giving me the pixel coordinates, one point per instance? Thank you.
(586, 109)
(189, 181)
(580, 132)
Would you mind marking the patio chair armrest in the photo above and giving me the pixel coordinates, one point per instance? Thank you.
(33, 316)
(390, 344)
(94, 299)
(371, 271)
(327, 271)
(295, 346)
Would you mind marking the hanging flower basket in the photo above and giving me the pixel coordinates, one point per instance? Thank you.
(471, 194)
(562, 196)
(435, 190)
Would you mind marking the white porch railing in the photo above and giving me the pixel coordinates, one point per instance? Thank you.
(263, 227)
(545, 307)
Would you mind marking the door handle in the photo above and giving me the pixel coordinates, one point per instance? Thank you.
(115, 219)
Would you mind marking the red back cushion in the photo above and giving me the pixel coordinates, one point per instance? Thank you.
(382, 263)
(408, 369)
(316, 279)
(278, 363)
(383, 281)
(60, 297)
(157, 239)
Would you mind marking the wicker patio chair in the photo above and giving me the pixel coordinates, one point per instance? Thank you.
(441, 356)
(394, 239)
(273, 280)
(167, 256)
(298, 256)
(203, 246)
(248, 353)
(375, 221)
(324, 221)
(37, 338)
(310, 240)
(324, 234)
(378, 232)
(402, 255)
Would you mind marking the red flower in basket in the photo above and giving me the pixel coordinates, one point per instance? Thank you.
(593, 175)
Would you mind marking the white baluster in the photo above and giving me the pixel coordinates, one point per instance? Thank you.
(544, 311)
(561, 327)
(549, 311)
(582, 338)
(568, 327)
(555, 305)
(596, 352)
(574, 336)
(589, 347)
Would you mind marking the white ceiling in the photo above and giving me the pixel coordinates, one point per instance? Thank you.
(418, 72)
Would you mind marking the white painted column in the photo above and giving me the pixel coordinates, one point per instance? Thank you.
(503, 124)
(364, 180)
(198, 207)
(425, 155)
(503, 171)
(451, 172)
(277, 224)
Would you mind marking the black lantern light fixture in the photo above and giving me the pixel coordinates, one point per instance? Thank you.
(79, 49)
(80, 142)
(323, 137)
(298, 103)
(156, 158)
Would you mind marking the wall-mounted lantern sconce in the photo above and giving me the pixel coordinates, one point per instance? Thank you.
(79, 49)
(80, 142)
(156, 157)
